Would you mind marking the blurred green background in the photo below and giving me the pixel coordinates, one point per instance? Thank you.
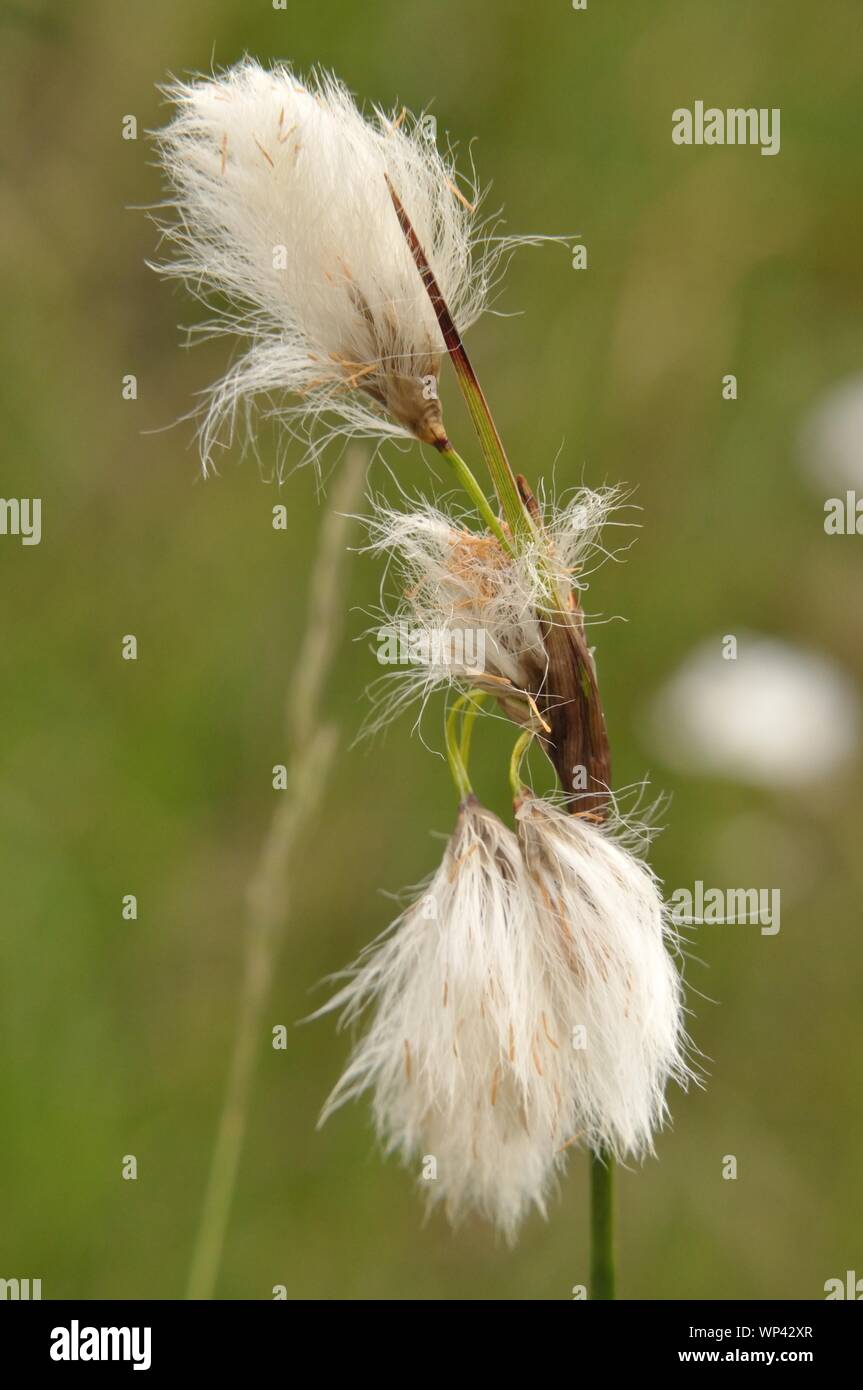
(154, 778)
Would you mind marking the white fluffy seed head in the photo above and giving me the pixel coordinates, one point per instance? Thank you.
(455, 1046)
(601, 914)
(443, 577)
(280, 203)
(476, 994)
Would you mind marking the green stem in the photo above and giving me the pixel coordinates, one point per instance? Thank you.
(602, 1225)
(522, 744)
(477, 496)
(498, 464)
(457, 765)
(474, 700)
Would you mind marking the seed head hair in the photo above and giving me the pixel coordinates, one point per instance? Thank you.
(279, 218)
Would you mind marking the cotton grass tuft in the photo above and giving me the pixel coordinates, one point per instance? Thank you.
(527, 1002)
(280, 219)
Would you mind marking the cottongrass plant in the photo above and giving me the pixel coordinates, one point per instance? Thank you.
(528, 1002)
(281, 194)
(525, 1002)
(450, 578)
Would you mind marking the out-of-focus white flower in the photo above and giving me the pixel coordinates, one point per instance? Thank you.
(281, 205)
(830, 436)
(523, 1004)
(449, 578)
(777, 715)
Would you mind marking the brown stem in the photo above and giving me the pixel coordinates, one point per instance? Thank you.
(570, 700)
(571, 705)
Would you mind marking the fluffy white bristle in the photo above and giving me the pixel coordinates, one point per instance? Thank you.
(478, 993)
(280, 204)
